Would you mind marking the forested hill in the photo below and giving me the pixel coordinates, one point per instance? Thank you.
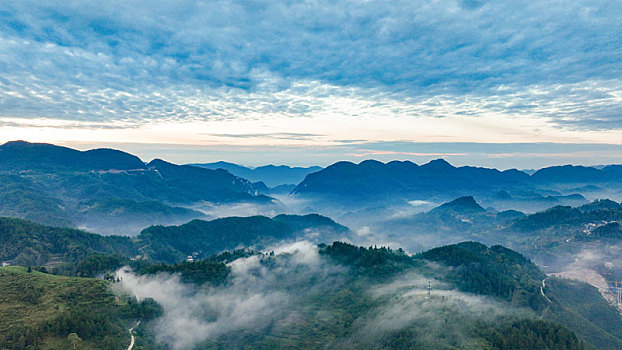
(28, 244)
(334, 291)
(203, 238)
(71, 251)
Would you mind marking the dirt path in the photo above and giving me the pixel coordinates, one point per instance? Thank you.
(542, 290)
(132, 340)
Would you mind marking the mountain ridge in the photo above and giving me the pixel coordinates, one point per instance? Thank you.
(271, 175)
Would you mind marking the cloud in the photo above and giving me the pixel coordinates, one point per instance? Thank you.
(278, 135)
(192, 316)
(137, 61)
(405, 303)
(255, 296)
(298, 288)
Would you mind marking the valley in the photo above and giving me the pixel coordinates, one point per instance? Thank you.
(249, 270)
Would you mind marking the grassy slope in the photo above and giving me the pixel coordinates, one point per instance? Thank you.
(40, 310)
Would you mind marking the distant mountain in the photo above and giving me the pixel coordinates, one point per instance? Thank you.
(130, 217)
(186, 183)
(350, 184)
(601, 204)
(507, 216)
(564, 215)
(462, 205)
(531, 201)
(22, 155)
(58, 186)
(578, 174)
(458, 220)
(311, 221)
(271, 175)
(373, 180)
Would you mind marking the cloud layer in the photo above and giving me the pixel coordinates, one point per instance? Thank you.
(136, 61)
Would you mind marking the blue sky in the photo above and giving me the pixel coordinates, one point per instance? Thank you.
(261, 81)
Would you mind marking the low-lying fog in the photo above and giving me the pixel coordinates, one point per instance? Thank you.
(261, 299)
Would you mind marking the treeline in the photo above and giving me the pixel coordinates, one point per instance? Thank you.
(27, 244)
(534, 334)
(475, 268)
(198, 272)
(375, 262)
(495, 271)
(564, 215)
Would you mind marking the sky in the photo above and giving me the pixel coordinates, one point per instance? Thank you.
(507, 84)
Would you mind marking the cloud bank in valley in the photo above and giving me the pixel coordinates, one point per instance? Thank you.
(252, 300)
(284, 294)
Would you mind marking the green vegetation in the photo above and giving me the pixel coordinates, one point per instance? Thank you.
(581, 308)
(42, 311)
(561, 216)
(199, 272)
(109, 191)
(202, 239)
(343, 310)
(94, 265)
(495, 271)
(21, 198)
(173, 243)
(379, 263)
(27, 244)
(530, 334)
(303, 222)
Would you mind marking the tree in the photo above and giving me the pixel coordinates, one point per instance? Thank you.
(74, 339)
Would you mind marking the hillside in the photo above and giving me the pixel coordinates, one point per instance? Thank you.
(70, 251)
(41, 311)
(326, 290)
(28, 244)
(581, 308)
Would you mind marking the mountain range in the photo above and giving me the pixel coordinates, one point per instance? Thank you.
(271, 175)
(358, 185)
(107, 190)
(290, 281)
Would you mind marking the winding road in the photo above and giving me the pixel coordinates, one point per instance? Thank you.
(132, 340)
(542, 290)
